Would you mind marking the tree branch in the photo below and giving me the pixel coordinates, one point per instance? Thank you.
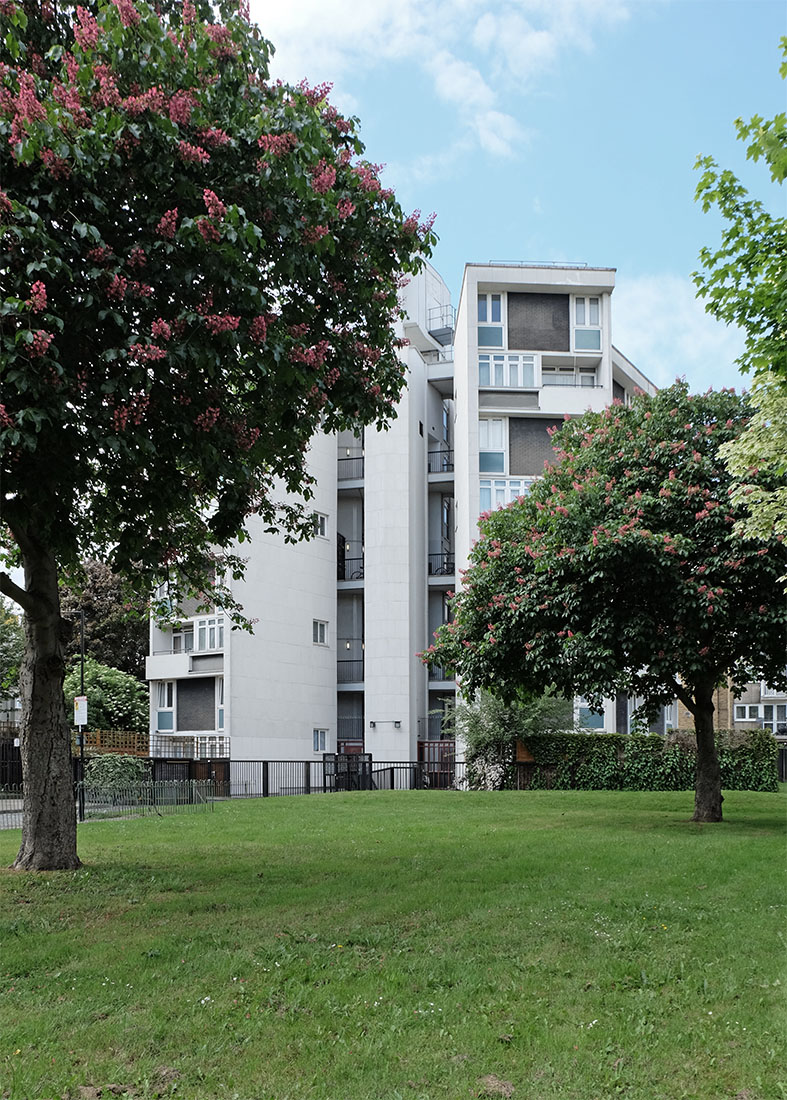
(682, 694)
(15, 593)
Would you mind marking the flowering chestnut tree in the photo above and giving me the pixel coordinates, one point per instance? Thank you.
(198, 271)
(622, 571)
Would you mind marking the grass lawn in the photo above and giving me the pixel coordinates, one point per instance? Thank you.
(423, 945)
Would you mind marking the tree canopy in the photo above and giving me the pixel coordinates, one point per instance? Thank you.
(745, 281)
(115, 700)
(116, 619)
(199, 271)
(622, 571)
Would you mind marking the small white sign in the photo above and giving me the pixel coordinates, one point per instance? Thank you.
(80, 710)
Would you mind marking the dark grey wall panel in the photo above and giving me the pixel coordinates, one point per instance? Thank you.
(538, 322)
(196, 704)
(529, 446)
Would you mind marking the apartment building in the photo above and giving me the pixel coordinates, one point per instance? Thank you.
(332, 663)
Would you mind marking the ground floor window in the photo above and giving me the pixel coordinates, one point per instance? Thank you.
(320, 738)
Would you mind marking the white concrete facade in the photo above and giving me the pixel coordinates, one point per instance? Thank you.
(332, 662)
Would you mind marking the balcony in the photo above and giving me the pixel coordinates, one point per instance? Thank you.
(349, 662)
(437, 672)
(349, 735)
(440, 462)
(350, 468)
(440, 323)
(442, 565)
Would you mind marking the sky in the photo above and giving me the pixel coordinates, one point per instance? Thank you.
(559, 130)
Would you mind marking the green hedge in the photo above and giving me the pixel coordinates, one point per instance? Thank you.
(635, 762)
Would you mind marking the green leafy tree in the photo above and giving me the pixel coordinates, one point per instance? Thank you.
(622, 571)
(116, 618)
(12, 644)
(199, 271)
(115, 700)
(744, 282)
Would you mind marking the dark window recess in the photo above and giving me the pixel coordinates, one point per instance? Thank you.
(529, 446)
(420, 427)
(538, 322)
(617, 391)
(196, 705)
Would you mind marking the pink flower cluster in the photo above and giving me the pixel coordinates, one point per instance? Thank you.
(161, 330)
(40, 344)
(277, 144)
(137, 257)
(221, 322)
(180, 107)
(59, 169)
(37, 299)
(68, 96)
(221, 37)
(214, 205)
(5, 204)
(206, 420)
(168, 224)
(6, 420)
(117, 288)
(343, 125)
(314, 93)
(323, 177)
(258, 329)
(86, 33)
(314, 233)
(367, 177)
(134, 411)
(311, 357)
(152, 100)
(412, 227)
(193, 154)
(129, 16)
(140, 290)
(143, 353)
(108, 94)
(345, 208)
(209, 231)
(100, 254)
(213, 137)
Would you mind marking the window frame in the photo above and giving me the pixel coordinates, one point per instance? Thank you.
(493, 450)
(320, 525)
(319, 739)
(319, 632)
(486, 325)
(586, 325)
(168, 706)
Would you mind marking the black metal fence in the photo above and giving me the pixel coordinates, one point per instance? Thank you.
(349, 569)
(781, 763)
(440, 462)
(93, 803)
(350, 469)
(442, 565)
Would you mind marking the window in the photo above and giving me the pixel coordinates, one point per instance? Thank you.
(320, 525)
(210, 633)
(445, 518)
(775, 717)
(567, 376)
(320, 738)
(506, 371)
(319, 632)
(490, 320)
(491, 446)
(498, 492)
(587, 324)
(183, 639)
(219, 702)
(165, 704)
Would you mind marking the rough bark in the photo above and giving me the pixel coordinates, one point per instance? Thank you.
(707, 792)
(49, 816)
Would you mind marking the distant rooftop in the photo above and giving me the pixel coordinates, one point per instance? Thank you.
(571, 264)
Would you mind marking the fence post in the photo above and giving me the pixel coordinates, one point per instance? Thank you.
(393, 785)
(307, 777)
(265, 779)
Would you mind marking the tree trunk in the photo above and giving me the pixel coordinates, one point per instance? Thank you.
(49, 835)
(707, 791)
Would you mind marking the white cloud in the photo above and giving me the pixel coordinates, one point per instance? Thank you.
(664, 329)
(481, 56)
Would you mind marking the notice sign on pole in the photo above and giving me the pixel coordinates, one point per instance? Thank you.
(80, 710)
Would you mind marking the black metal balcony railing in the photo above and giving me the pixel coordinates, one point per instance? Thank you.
(349, 672)
(350, 469)
(440, 462)
(442, 565)
(437, 672)
(349, 569)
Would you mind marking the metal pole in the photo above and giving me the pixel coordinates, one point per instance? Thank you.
(82, 728)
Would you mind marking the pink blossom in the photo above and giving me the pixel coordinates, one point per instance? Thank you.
(193, 154)
(213, 137)
(137, 257)
(314, 233)
(258, 329)
(323, 177)
(168, 224)
(108, 94)
(366, 177)
(40, 343)
(5, 204)
(142, 353)
(215, 206)
(86, 33)
(206, 420)
(277, 144)
(129, 16)
(152, 100)
(117, 288)
(140, 290)
(161, 330)
(180, 107)
(208, 230)
(221, 322)
(314, 93)
(6, 421)
(345, 208)
(37, 299)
